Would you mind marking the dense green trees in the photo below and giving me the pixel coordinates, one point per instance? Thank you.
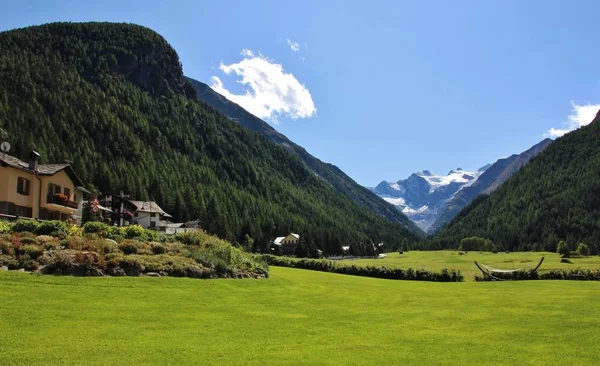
(113, 99)
(477, 244)
(554, 197)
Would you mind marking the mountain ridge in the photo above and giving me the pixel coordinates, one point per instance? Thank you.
(422, 195)
(329, 173)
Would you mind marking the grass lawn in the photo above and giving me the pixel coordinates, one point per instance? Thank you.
(296, 317)
(436, 260)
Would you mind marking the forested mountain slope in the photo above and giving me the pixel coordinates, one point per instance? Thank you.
(556, 196)
(487, 182)
(328, 172)
(112, 98)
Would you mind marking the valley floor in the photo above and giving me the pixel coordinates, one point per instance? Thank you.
(295, 317)
(436, 260)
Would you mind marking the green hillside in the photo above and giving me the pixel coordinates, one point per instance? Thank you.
(331, 174)
(113, 99)
(554, 197)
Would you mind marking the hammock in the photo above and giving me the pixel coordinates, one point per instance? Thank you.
(489, 271)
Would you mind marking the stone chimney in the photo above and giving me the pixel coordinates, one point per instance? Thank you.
(33, 160)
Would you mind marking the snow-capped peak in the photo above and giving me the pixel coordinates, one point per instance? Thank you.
(422, 194)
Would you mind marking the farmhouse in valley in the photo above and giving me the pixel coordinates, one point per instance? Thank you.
(39, 191)
(286, 245)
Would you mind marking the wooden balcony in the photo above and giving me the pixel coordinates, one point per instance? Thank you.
(58, 201)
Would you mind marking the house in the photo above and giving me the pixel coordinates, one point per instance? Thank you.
(116, 209)
(148, 214)
(40, 191)
(346, 250)
(286, 245)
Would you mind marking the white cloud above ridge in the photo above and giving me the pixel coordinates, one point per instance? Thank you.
(269, 92)
(581, 115)
(294, 46)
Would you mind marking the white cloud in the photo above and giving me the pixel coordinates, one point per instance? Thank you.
(581, 115)
(295, 46)
(270, 92)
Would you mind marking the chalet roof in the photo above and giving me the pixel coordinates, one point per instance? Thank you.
(346, 247)
(149, 206)
(278, 240)
(295, 235)
(43, 169)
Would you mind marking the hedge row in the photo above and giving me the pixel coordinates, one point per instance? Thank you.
(323, 265)
(548, 274)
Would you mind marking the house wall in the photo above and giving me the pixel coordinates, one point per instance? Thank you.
(8, 188)
(147, 219)
(63, 180)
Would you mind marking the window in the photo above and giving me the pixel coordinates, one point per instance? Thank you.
(67, 192)
(23, 211)
(152, 224)
(53, 189)
(4, 207)
(23, 186)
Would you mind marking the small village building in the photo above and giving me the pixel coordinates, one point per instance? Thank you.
(346, 250)
(286, 245)
(148, 214)
(39, 191)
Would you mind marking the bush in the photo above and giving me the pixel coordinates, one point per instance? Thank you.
(96, 227)
(116, 238)
(5, 227)
(157, 248)
(54, 228)
(324, 265)
(22, 225)
(583, 250)
(549, 274)
(562, 249)
(33, 251)
(75, 230)
(110, 246)
(28, 240)
(72, 242)
(495, 251)
(129, 247)
(10, 262)
(477, 244)
(565, 260)
(6, 248)
(400, 252)
(133, 231)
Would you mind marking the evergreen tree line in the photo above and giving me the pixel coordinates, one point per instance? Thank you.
(112, 99)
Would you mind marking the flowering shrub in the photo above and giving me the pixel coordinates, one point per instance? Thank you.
(61, 197)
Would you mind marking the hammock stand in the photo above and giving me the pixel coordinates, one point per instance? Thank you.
(489, 271)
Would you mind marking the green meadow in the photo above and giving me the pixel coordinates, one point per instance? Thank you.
(295, 317)
(436, 260)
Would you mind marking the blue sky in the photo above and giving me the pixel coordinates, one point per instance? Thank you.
(380, 88)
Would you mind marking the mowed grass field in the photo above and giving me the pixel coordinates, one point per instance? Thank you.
(436, 260)
(295, 317)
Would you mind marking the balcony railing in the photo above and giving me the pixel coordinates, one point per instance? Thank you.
(61, 201)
